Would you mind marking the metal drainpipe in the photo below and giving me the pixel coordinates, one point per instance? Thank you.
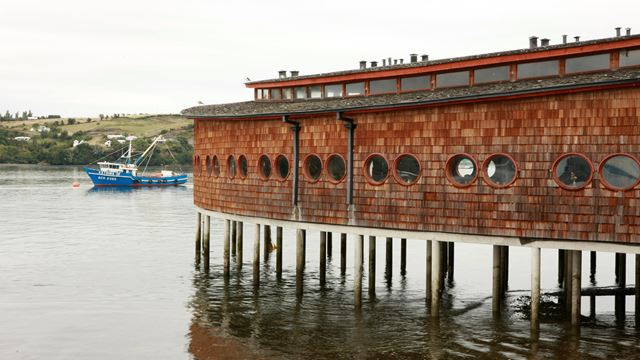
(349, 124)
(296, 156)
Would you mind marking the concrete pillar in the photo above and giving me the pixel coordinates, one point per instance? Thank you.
(429, 256)
(227, 226)
(497, 275)
(576, 271)
(329, 244)
(372, 266)
(299, 260)
(234, 225)
(256, 256)
(357, 270)
(267, 242)
(239, 243)
(206, 241)
(279, 252)
(450, 259)
(388, 266)
(343, 254)
(436, 277)
(198, 235)
(592, 264)
(323, 258)
(403, 257)
(535, 288)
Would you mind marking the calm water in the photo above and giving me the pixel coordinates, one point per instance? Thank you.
(110, 275)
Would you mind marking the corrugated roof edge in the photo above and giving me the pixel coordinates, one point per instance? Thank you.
(634, 80)
(449, 60)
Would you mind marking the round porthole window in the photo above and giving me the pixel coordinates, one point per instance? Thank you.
(282, 167)
(376, 169)
(231, 166)
(216, 166)
(264, 165)
(208, 162)
(499, 170)
(336, 168)
(461, 170)
(406, 169)
(620, 172)
(312, 167)
(572, 171)
(243, 166)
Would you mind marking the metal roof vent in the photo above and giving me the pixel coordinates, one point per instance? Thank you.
(384, 62)
(618, 31)
(413, 57)
(295, 73)
(564, 39)
(374, 64)
(282, 74)
(363, 64)
(544, 42)
(424, 57)
(577, 38)
(533, 42)
(628, 31)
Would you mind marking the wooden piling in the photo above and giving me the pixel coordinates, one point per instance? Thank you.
(621, 272)
(568, 280)
(206, 242)
(329, 244)
(576, 271)
(299, 261)
(403, 257)
(637, 294)
(227, 226)
(198, 235)
(436, 277)
(372, 266)
(535, 289)
(239, 244)
(234, 225)
(388, 265)
(267, 242)
(343, 254)
(497, 275)
(279, 252)
(592, 265)
(443, 260)
(256, 256)
(505, 270)
(357, 269)
(304, 248)
(429, 268)
(323, 258)
(450, 260)
(561, 269)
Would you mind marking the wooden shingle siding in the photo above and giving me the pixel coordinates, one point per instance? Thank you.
(535, 132)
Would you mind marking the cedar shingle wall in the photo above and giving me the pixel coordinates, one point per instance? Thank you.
(533, 131)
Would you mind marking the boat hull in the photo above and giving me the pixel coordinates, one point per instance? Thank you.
(128, 180)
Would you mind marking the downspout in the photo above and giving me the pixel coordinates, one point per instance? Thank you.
(351, 126)
(295, 128)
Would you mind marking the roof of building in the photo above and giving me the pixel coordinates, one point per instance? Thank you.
(250, 109)
(449, 60)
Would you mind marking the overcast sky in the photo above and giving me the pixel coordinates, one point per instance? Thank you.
(82, 58)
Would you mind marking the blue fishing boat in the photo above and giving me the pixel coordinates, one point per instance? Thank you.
(124, 171)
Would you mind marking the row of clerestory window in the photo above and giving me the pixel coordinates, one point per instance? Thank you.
(571, 171)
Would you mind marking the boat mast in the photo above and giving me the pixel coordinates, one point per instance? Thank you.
(155, 141)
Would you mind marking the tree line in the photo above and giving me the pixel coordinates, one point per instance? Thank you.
(8, 116)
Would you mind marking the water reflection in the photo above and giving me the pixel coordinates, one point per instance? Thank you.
(272, 322)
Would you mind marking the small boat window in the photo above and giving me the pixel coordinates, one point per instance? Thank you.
(620, 172)
(461, 170)
(406, 169)
(336, 168)
(572, 171)
(231, 166)
(264, 166)
(312, 167)
(243, 165)
(499, 170)
(376, 169)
